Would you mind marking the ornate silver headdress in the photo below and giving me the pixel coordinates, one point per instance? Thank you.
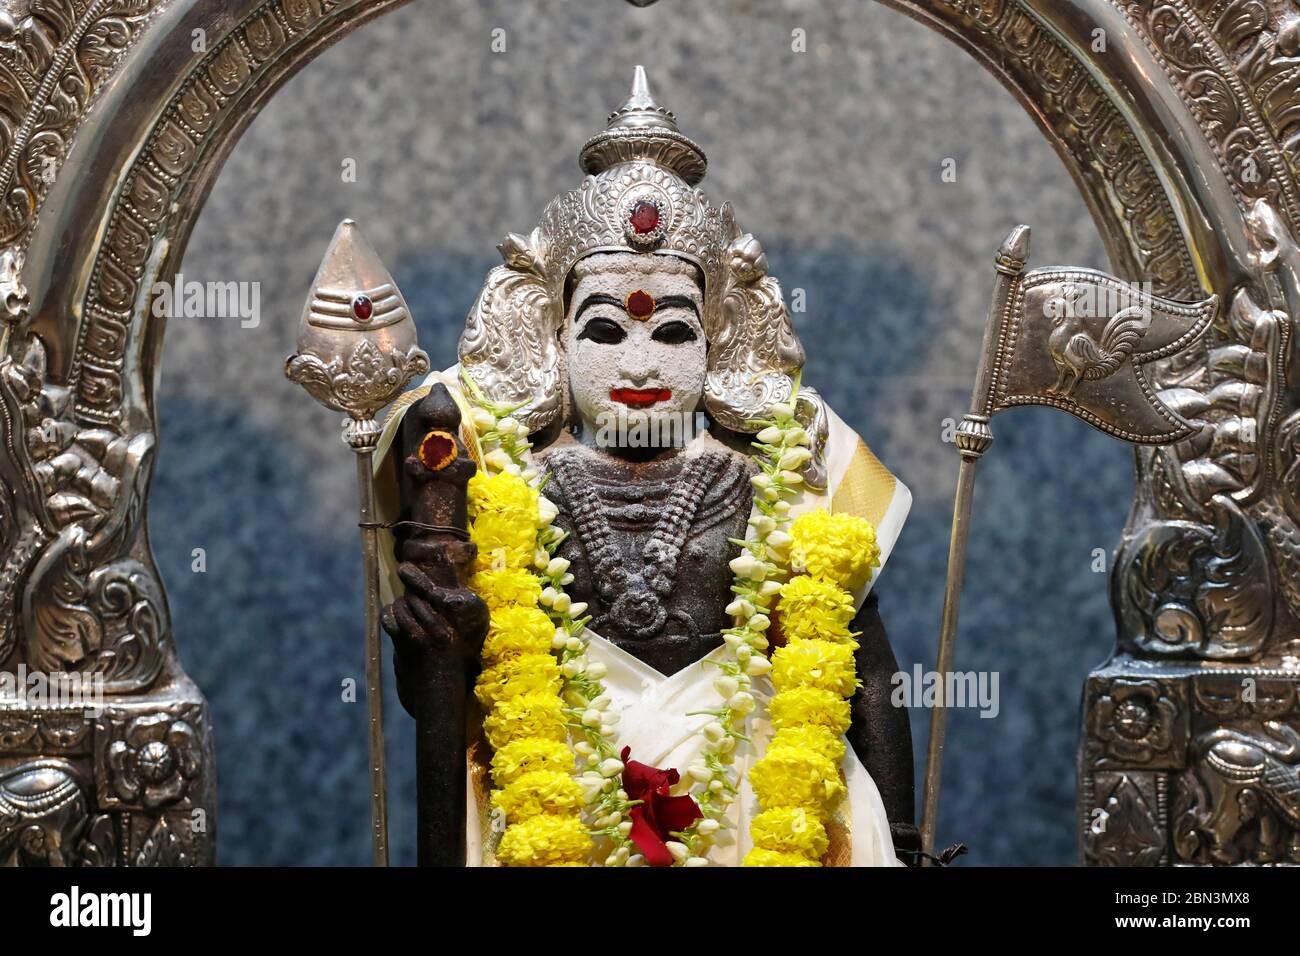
(639, 196)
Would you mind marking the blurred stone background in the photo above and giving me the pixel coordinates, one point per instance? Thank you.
(833, 157)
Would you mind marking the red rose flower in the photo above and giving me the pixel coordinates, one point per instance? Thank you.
(659, 815)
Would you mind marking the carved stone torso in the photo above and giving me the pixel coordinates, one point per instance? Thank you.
(648, 542)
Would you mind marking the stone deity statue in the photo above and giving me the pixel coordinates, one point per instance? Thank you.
(636, 338)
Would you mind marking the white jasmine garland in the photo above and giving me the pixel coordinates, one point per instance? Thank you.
(760, 570)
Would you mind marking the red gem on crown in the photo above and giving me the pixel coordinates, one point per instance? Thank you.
(362, 307)
(644, 217)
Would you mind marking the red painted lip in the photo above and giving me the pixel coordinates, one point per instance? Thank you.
(640, 397)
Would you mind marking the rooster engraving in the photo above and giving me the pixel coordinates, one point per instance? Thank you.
(1077, 355)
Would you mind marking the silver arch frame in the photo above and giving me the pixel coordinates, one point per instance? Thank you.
(1181, 135)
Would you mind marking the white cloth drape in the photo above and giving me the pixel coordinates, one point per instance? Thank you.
(654, 724)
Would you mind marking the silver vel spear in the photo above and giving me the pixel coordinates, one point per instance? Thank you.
(356, 351)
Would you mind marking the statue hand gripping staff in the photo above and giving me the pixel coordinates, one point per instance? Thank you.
(438, 625)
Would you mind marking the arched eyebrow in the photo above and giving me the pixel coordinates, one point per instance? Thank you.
(677, 302)
(667, 302)
(597, 298)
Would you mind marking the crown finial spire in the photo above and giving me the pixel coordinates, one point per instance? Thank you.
(641, 111)
(641, 129)
(640, 88)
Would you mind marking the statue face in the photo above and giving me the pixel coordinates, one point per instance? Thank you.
(636, 350)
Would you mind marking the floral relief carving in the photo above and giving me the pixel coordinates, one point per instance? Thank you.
(154, 760)
(1134, 721)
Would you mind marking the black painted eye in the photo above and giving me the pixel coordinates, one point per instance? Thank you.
(603, 332)
(674, 333)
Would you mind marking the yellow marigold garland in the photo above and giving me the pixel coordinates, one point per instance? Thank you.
(507, 587)
(798, 781)
(503, 542)
(516, 631)
(761, 857)
(790, 830)
(820, 740)
(529, 716)
(800, 706)
(793, 777)
(503, 493)
(537, 686)
(520, 685)
(840, 549)
(529, 755)
(526, 674)
(815, 609)
(823, 665)
(537, 792)
(547, 839)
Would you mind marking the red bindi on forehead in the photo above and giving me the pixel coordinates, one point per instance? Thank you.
(640, 305)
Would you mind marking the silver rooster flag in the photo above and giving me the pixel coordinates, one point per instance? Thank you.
(1077, 340)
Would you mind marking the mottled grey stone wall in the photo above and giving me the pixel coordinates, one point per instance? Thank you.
(833, 158)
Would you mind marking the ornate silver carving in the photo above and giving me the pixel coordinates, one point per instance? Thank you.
(149, 760)
(1195, 589)
(1131, 831)
(1241, 779)
(355, 358)
(42, 814)
(364, 380)
(754, 353)
(84, 605)
(100, 847)
(163, 845)
(1101, 330)
(78, 591)
(14, 299)
(1137, 722)
(642, 129)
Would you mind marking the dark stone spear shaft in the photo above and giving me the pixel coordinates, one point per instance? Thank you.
(436, 658)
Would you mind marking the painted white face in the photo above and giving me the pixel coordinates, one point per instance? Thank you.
(636, 373)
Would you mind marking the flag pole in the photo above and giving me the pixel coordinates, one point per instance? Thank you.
(973, 438)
